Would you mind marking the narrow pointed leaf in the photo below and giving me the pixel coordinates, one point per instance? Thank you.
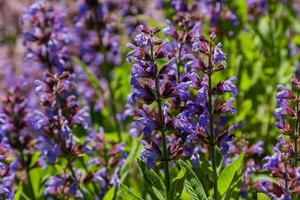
(158, 194)
(193, 184)
(110, 194)
(177, 184)
(126, 194)
(228, 174)
(262, 196)
(152, 178)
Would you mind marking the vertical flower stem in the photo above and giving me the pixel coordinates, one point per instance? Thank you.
(179, 56)
(59, 126)
(69, 164)
(31, 191)
(86, 170)
(212, 138)
(296, 151)
(163, 132)
(296, 133)
(114, 108)
(211, 124)
(20, 149)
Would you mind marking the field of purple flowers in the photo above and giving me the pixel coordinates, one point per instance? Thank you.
(150, 99)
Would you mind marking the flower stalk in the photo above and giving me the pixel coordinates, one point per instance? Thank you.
(164, 146)
(163, 133)
(211, 124)
(212, 138)
(296, 133)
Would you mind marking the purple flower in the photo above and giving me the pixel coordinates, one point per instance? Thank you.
(226, 86)
(45, 36)
(62, 185)
(272, 162)
(219, 56)
(226, 107)
(170, 30)
(284, 93)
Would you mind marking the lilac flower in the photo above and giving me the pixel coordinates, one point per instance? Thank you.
(281, 166)
(226, 86)
(272, 162)
(107, 157)
(229, 107)
(45, 36)
(61, 115)
(170, 30)
(149, 155)
(94, 37)
(100, 177)
(7, 173)
(284, 93)
(152, 83)
(62, 185)
(219, 56)
(285, 111)
(182, 37)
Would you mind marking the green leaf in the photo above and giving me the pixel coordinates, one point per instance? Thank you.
(152, 178)
(35, 175)
(235, 189)
(219, 159)
(228, 174)
(130, 159)
(126, 194)
(262, 196)
(89, 74)
(24, 196)
(110, 194)
(34, 159)
(18, 191)
(158, 193)
(192, 183)
(177, 184)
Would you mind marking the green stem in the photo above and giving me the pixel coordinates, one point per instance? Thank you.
(296, 150)
(69, 164)
(31, 191)
(114, 108)
(212, 138)
(211, 125)
(296, 132)
(86, 169)
(164, 143)
(179, 56)
(163, 132)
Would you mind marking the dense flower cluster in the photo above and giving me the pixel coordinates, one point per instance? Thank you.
(281, 167)
(97, 44)
(110, 156)
(283, 164)
(61, 115)
(216, 13)
(151, 84)
(16, 136)
(96, 35)
(7, 173)
(187, 105)
(46, 36)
